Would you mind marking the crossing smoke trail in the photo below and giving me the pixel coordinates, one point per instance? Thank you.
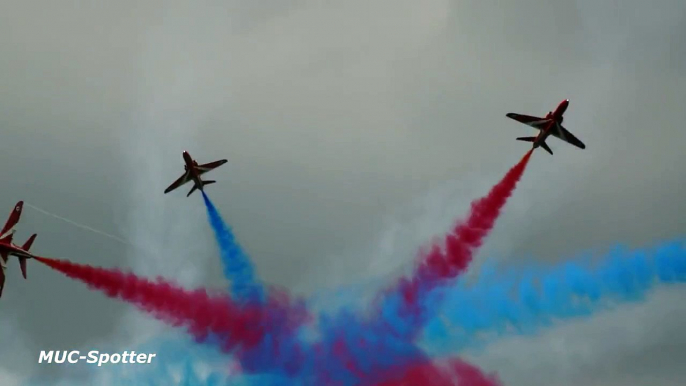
(356, 351)
(452, 372)
(350, 350)
(526, 300)
(403, 306)
(237, 266)
(243, 326)
(374, 350)
(237, 326)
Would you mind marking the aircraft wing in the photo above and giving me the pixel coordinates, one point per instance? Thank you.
(568, 137)
(535, 122)
(204, 168)
(182, 180)
(12, 220)
(3, 266)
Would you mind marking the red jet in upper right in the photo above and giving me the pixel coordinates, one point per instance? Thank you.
(551, 124)
(7, 248)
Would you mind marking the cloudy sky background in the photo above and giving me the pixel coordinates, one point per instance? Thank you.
(355, 131)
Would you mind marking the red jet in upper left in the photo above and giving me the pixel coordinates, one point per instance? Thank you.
(7, 248)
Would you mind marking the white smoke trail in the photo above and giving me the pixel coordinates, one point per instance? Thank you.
(79, 225)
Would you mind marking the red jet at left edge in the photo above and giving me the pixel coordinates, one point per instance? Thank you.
(7, 248)
(550, 125)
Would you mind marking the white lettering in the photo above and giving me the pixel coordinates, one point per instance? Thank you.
(94, 357)
(72, 354)
(57, 357)
(103, 359)
(47, 356)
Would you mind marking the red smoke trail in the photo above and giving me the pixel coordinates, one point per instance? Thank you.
(465, 239)
(470, 234)
(203, 314)
(455, 373)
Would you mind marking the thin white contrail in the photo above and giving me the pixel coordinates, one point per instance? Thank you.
(113, 237)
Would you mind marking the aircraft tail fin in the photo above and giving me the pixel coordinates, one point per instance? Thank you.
(533, 139)
(22, 265)
(192, 190)
(545, 146)
(26, 247)
(202, 184)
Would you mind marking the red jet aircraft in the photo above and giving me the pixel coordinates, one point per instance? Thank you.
(7, 248)
(551, 124)
(193, 172)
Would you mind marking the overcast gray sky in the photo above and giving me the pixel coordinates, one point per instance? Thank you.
(355, 131)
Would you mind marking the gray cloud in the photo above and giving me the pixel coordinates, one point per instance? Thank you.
(634, 345)
(334, 119)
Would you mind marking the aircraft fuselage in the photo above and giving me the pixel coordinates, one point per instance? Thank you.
(191, 169)
(554, 119)
(14, 250)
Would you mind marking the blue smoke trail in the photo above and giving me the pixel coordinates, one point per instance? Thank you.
(524, 301)
(237, 266)
(271, 355)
